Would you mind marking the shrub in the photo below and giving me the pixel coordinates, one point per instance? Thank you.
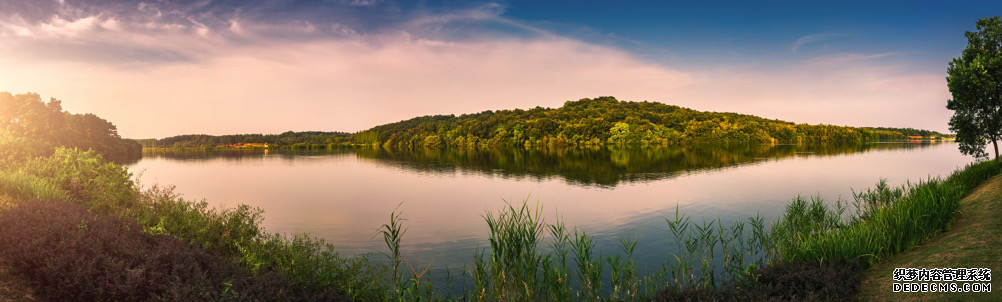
(87, 178)
(234, 234)
(68, 253)
(222, 231)
(309, 264)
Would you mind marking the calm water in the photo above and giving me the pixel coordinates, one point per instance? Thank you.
(344, 196)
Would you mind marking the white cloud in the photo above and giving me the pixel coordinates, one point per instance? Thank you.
(838, 59)
(332, 83)
(155, 78)
(814, 38)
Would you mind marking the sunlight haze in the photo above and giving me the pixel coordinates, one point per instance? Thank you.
(166, 68)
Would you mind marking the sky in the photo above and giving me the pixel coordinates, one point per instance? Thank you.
(160, 68)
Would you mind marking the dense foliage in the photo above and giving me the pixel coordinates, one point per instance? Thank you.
(68, 253)
(30, 127)
(312, 267)
(975, 81)
(913, 132)
(101, 236)
(606, 121)
(602, 121)
(155, 243)
(86, 177)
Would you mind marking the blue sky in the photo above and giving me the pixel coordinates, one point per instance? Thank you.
(926, 33)
(159, 68)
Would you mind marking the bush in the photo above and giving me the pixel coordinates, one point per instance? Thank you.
(309, 264)
(220, 231)
(87, 178)
(68, 253)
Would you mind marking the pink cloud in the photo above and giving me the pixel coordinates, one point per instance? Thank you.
(250, 77)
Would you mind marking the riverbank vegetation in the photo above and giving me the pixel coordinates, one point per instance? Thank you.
(81, 181)
(528, 258)
(603, 121)
(145, 243)
(972, 242)
(815, 251)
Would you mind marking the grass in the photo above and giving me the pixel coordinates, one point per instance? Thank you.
(69, 253)
(84, 178)
(886, 221)
(236, 233)
(973, 241)
(530, 259)
(21, 186)
(714, 258)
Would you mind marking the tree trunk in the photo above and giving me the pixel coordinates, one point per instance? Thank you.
(995, 143)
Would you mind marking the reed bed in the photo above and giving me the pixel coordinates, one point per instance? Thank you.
(20, 186)
(529, 259)
(886, 219)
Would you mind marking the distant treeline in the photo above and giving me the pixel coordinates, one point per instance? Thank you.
(914, 132)
(587, 122)
(313, 139)
(30, 127)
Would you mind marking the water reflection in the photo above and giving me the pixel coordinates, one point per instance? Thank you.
(600, 167)
(344, 195)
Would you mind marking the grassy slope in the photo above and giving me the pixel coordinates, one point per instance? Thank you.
(975, 240)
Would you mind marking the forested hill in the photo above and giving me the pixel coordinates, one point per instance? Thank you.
(587, 122)
(605, 121)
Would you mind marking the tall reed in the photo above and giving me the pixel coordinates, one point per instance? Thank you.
(19, 186)
(522, 264)
(886, 220)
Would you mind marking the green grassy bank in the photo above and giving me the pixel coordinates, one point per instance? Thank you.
(528, 258)
(76, 226)
(973, 242)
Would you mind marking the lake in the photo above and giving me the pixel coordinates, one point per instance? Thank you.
(343, 196)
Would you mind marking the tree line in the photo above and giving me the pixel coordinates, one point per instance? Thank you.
(30, 127)
(608, 121)
(603, 121)
(307, 140)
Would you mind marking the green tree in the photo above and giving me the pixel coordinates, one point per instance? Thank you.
(975, 80)
(34, 123)
(620, 134)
